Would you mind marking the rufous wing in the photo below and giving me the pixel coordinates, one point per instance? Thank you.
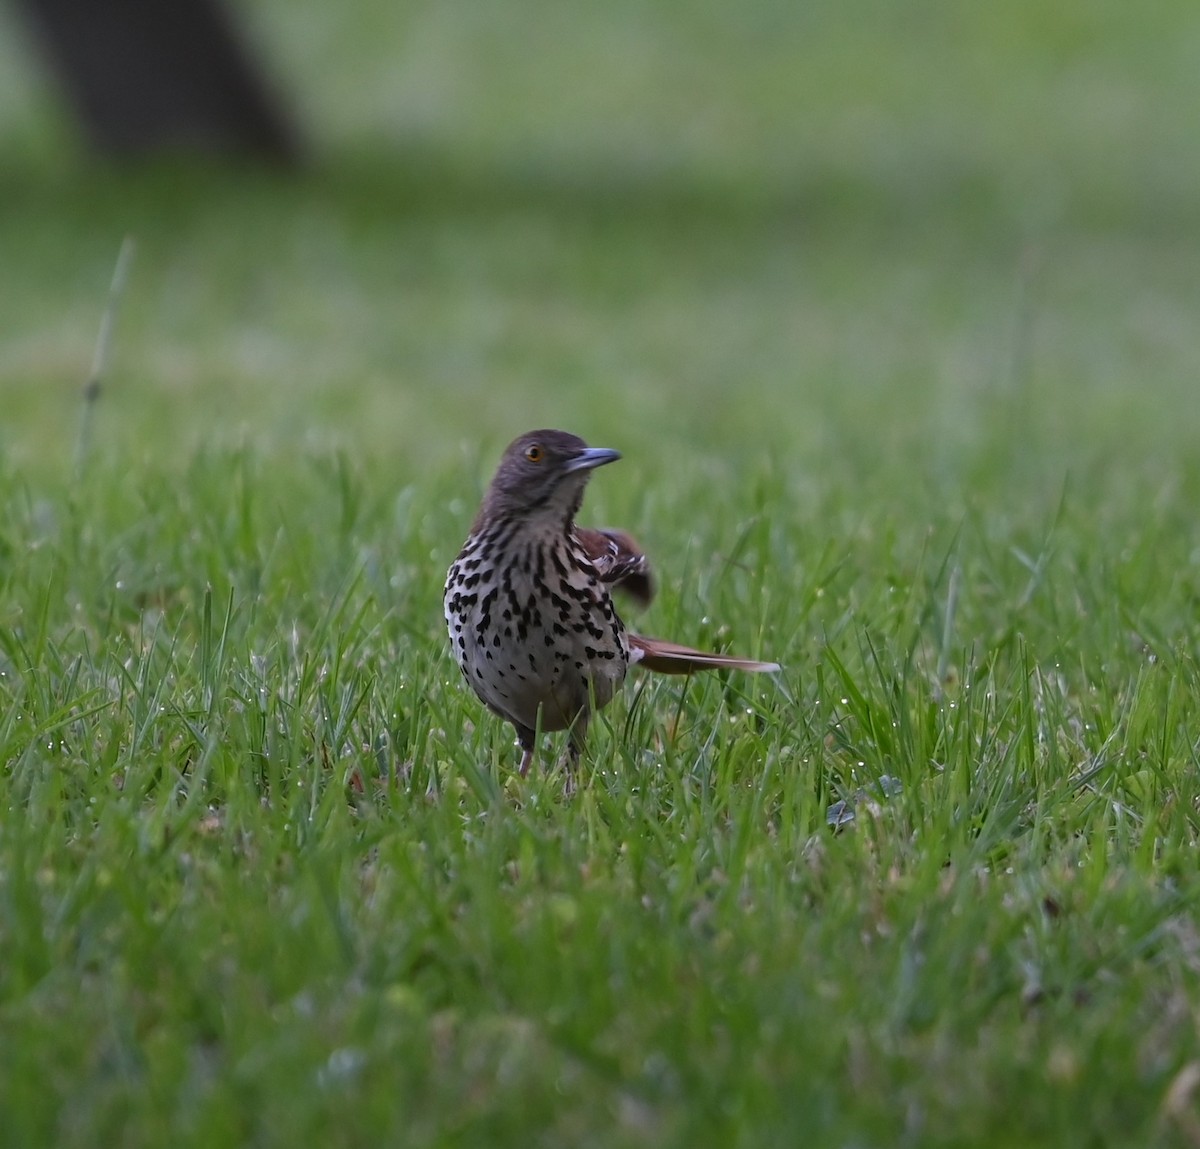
(671, 658)
(619, 561)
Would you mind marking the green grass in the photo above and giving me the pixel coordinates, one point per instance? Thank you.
(891, 312)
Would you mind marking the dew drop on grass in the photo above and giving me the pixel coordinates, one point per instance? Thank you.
(343, 1065)
(303, 1005)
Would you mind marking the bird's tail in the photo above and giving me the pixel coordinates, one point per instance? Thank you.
(671, 658)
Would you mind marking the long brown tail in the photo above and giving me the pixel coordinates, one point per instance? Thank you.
(671, 658)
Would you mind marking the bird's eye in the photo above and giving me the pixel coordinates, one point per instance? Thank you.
(534, 454)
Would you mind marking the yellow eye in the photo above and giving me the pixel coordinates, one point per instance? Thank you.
(534, 454)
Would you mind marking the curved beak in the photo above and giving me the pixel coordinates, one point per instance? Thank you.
(591, 457)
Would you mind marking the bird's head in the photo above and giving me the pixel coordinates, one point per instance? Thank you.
(542, 475)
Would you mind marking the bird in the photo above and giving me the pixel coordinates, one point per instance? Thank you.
(527, 601)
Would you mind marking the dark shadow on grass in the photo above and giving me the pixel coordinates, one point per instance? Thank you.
(928, 195)
(430, 183)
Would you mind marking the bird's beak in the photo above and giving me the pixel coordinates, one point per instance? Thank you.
(591, 457)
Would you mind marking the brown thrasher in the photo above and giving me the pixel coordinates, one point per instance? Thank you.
(527, 604)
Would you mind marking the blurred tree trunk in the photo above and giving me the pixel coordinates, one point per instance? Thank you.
(153, 75)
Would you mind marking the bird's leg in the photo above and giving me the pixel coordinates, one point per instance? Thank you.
(570, 761)
(526, 739)
(577, 739)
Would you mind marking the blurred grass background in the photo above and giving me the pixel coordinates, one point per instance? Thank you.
(811, 229)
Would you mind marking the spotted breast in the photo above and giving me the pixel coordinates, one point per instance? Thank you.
(533, 627)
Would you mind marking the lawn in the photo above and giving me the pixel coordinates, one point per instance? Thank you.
(891, 311)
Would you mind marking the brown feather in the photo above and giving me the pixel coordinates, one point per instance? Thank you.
(619, 561)
(671, 658)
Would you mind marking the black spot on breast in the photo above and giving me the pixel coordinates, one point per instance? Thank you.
(502, 535)
(578, 593)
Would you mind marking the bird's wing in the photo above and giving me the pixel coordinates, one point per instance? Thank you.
(671, 658)
(619, 561)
